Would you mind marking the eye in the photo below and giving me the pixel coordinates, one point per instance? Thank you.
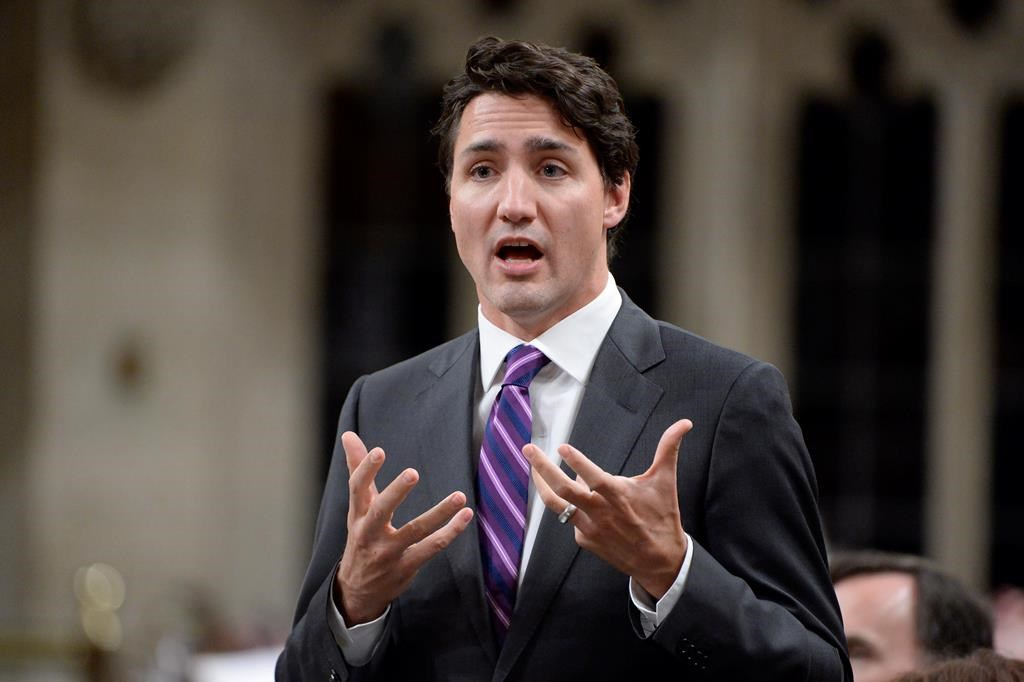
(861, 650)
(552, 170)
(481, 172)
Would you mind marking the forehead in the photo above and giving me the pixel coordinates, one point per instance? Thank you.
(879, 601)
(508, 120)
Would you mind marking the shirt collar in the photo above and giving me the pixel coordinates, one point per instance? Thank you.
(571, 344)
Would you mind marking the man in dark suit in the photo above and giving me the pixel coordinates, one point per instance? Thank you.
(600, 550)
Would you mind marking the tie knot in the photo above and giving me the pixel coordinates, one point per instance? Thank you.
(522, 364)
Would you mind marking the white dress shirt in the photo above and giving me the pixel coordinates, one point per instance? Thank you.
(555, 396)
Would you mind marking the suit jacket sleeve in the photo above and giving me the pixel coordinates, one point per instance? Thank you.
(310, 653)
(758, 602)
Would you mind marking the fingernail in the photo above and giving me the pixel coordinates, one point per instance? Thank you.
(409, 476)
(376, 456)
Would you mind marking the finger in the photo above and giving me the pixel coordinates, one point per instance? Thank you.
(562, 485)
(431, 520)
(356, 454)
(383, 506)
(592, 475)
(557, 505)
(546, 494)
(361, 486)
(421, 552)
(355, 450)
(667, 454)
(363, 489)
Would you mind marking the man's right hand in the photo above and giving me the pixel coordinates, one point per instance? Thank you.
(380, 560)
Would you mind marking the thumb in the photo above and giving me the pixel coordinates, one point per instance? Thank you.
(667, 454)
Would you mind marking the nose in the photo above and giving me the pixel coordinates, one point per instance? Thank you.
(517, 203)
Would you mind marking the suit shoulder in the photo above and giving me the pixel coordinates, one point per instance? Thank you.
(681, 343)
(433, 362)
(719, 365)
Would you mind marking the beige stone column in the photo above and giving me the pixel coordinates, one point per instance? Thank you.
(721, 140)
(722, 268)
(959, 447)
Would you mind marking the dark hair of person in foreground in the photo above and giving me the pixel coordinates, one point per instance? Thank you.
(983, 665)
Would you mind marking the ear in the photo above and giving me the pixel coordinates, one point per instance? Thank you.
(616, 202)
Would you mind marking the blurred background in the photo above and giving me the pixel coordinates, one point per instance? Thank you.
(215, 215)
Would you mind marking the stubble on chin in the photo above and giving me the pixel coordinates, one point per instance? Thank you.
(520, 304)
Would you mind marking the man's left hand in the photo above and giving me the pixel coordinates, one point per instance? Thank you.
(632, 523)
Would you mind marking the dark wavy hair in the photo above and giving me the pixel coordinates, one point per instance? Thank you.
(983, 665)
(582, 93)
(952, 620)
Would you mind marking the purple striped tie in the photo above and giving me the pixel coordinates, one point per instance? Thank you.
(503, 479)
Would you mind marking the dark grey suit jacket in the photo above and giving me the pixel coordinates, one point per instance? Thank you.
(758, 604)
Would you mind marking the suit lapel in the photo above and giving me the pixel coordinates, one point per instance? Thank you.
(616, 405)
(446, 453)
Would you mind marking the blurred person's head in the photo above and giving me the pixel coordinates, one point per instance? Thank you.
(983, 665)
(902, 613)
(583, 95)
(1008, 614)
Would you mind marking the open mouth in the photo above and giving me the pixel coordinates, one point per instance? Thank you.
(519, 251)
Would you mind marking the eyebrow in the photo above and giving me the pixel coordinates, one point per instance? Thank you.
(533, 144)
(547, 144)
(481, 146)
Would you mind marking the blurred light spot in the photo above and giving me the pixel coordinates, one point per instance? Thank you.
(103, 628)
(100, 591)
(99, 586)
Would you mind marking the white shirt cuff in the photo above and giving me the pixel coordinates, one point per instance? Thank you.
(653, 614)
(359, 642)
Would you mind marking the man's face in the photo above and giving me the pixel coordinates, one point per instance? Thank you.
(879, 618)
(529, 210)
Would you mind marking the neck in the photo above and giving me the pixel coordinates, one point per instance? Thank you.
(522, 329)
